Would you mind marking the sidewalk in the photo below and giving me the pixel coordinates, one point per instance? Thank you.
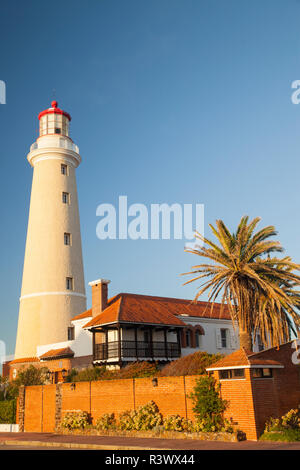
(130, 443)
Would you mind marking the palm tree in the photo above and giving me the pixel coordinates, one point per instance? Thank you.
(259, 290)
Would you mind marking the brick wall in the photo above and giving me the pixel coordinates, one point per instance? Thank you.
(35, 409)
(45, 405)
(277, 395)
(241, 410)
(251, 400)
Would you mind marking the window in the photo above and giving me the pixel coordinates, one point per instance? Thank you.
(57, 130)
(224, 337)
(197, 339)
(188, 338)
(69, 283)
(64, 169)
(67, 238)
(232, 374)
(71, 333)
(262, 373)
(65, 198)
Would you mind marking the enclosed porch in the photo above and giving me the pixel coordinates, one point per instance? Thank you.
(123, 343)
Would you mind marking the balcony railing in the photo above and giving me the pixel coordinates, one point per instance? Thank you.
(139, 350)
(61, 142)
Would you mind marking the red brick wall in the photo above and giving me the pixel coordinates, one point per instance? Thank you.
(277, 395)
(77, 399)
(286, 380)
(33, 408)
(48, 408)
(5, 369)
(168, 395)
(240, 409)
(251, 401)
(107, 396)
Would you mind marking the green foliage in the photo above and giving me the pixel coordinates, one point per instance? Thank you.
(136, 369)
(106, 421)
(71, 376)
(208, 405)
(192, 364)
(4, 386)
(291, 420)
(32, 376)
(86, 375)
(27, 376)
(288, 435)
(126, 421)
(273, 424)
(75, 419)
(8, 412)
(178, 423)
(145, 418)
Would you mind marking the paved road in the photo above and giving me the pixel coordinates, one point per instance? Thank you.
(38, 440)
(13, 447)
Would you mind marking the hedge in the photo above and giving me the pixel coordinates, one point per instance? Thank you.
(8, 412)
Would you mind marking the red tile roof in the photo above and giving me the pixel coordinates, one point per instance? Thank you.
(86, 314)
(242, 357)
(56, 353)
(135, 308)
(25, 359)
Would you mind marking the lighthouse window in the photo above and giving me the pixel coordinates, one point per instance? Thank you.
(65, 198)
(64, 169)
(67, 239)
(57, 130)
(69, 283)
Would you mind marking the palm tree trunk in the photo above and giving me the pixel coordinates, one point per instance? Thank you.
(245, 339)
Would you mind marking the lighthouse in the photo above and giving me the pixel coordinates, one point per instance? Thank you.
(53, 288)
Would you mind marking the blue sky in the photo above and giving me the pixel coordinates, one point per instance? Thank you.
(185, 101)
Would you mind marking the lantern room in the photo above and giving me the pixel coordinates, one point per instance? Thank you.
(54, 121)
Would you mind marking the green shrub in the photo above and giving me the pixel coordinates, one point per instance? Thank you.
(125, 422)
(178, 423)
(192, 364)
(26, 376)
(208, 405)
(107, 421)
(138, 369)
(86, 375)
(273, 424)
(146, 417)
(8, 412)
(75, 419)
(290, 420)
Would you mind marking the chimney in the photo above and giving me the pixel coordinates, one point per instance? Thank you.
(99, 295)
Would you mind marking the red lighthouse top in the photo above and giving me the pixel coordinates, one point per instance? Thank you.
(54, 110)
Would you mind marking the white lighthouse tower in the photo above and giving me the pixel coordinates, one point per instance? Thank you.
(53, 281)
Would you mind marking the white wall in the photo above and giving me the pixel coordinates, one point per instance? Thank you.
(82, 345)
(211, 340)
